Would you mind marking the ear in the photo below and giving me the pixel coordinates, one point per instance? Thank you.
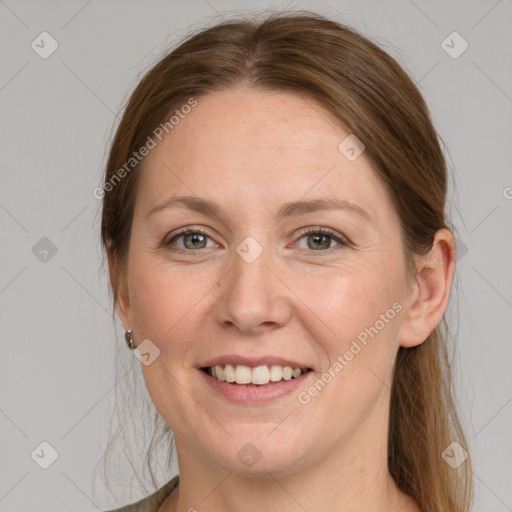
(428, 299)
(120, 290)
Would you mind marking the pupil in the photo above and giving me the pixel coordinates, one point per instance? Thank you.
(195, 239)
(317, 239)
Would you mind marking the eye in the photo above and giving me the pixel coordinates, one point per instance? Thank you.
(317, 239)
(192, 239)
(320, 239)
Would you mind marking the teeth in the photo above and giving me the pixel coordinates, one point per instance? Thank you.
(260, 375)
(276, 373)
(219, 373)
(242, 374)
(229, 373)
(287, 372)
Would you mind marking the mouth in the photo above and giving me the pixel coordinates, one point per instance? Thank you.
(254, 376)
(252, 381)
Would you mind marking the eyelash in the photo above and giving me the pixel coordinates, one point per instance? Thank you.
(305, 232)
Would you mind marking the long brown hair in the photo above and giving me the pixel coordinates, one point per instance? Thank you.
(374, 98)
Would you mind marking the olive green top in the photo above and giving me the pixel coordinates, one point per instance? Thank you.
(153, 501)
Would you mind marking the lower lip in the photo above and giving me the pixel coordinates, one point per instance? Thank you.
(254, 394)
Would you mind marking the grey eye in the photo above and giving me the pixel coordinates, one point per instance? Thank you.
(319, 241)
(192, 240)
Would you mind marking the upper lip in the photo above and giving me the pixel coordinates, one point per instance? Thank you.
(252, 361)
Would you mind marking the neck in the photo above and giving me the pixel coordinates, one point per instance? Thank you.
(352, 476)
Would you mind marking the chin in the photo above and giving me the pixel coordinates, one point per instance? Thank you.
(257, 452)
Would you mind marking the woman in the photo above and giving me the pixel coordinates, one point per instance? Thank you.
(273, 217)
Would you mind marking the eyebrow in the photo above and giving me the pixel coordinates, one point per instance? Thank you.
(290, 209)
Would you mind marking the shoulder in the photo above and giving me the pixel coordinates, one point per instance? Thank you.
(153, 501)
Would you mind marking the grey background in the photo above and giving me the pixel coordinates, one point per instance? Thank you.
(57, 336)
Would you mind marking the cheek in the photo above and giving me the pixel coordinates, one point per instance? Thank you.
(364, 314)
(166, 308)
(169, 305)
(350, 302)
(159, 298)
(358, 334)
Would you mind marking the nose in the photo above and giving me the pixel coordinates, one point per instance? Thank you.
(253, 299)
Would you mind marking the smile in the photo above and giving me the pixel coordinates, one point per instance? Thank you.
(254, 385)
(254, 376)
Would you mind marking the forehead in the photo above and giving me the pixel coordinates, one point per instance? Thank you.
(278, 125)
(246, 143)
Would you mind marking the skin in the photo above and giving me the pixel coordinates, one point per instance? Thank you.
(252, 151)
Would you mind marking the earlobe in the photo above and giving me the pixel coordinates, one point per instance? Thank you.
(428, 300)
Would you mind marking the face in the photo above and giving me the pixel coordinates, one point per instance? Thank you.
(296, 260)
